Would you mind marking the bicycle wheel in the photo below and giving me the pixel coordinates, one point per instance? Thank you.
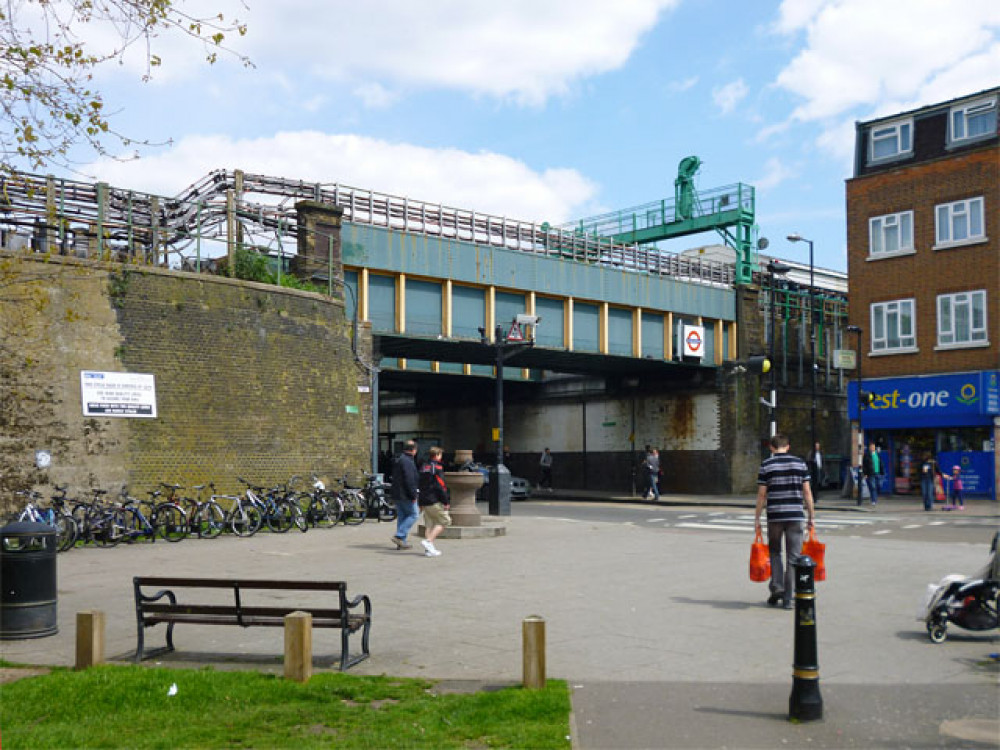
(244, 520)
(299, 518)
(355, 508)
(170, 522)
(65, 532)
(318, 513)
(386, 509)
(81, 514)
(108, 529)
(281, 517)
(134, 527)
(210, 520)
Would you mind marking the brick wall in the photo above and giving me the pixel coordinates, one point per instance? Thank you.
(928, 272)
(251, 380)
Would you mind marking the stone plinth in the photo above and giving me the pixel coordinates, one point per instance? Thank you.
(467, 521)
(463, 485)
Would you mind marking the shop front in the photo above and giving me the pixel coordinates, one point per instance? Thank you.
(954, 418)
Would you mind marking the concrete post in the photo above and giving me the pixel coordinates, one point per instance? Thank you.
(89, 639)
(533, 638)
(298, 646)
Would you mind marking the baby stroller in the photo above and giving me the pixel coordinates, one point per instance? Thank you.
(969, 603)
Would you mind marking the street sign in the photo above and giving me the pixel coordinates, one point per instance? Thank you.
(514, 334)
(844, 359)
(694, 337)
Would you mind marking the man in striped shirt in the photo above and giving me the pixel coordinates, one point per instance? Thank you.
(783, 487)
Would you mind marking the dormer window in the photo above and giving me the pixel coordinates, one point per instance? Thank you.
(975, 119)
(891, 141)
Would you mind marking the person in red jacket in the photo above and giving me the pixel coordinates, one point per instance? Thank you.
(434, 500)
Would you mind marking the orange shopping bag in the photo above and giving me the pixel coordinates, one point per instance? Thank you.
(760, 560)
(815, 549)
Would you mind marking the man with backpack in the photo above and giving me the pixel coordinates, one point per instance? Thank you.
(434, 501)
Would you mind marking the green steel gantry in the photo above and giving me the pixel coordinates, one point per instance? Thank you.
(728, 210)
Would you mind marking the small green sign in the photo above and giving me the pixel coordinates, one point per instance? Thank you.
(608, 424)
(351, 409)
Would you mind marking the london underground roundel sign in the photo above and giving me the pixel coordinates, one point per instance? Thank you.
(694, 339)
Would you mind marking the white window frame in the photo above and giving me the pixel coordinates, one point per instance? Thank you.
(971, 209)
(883, 316)
(960, 114)
(899, 130)
(948, 306)
(878, 226)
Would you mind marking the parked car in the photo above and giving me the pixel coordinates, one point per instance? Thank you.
(520, 488)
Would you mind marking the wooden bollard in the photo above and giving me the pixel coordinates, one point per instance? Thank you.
(298, 646)
(533, 634)
(89, 638)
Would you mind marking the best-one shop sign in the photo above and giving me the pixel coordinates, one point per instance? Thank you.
(117, 394)
(936, 401)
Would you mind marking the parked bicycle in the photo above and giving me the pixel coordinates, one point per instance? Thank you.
(276, 509)
(53, 516)
(205, 517)
(322, 507)
(376, 492)
(355, 505)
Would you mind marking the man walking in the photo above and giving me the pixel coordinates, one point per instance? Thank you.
(815, 469)
(783, 488)
(545, 464)
(405, 484)
(434, 501)
(871, 467)
(652, 466)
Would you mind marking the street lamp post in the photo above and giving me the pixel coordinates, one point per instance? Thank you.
(775, 268)
(857, 330)
(812, 334)
(505, 347)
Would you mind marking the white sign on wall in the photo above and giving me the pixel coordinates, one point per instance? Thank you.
(694, 341)
(117, 394)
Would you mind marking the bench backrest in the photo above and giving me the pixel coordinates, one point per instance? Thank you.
(240, 583)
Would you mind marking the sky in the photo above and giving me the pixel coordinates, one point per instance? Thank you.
(553, 110)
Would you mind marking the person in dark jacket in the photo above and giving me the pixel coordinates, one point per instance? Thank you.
(434, 501)
(871, 467)
(405, 485)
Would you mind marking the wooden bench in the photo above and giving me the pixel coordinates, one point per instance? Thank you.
(162, 607)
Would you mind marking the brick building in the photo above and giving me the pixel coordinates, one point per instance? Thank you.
(923, 237)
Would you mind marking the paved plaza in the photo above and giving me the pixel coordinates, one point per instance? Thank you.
(661, 635)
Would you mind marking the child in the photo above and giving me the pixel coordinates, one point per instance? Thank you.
(957, 499)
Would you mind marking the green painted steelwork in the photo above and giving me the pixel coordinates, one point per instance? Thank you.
(728, 210)
(392, 252)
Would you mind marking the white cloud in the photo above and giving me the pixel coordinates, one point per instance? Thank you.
(681, 86)
(775, 173)
(520, 50)
(727, 97)
(865, 58)
(375, 95)
(484, 181)
(862, 52)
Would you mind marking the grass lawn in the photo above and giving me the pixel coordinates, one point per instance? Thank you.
(130, 707)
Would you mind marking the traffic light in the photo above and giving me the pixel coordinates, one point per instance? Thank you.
(866, 399)
(757, 364)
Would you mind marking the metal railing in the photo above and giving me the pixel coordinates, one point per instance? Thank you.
(225, 208)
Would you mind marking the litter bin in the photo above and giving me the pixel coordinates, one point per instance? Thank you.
(28, 580)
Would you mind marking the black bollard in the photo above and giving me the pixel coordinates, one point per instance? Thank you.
(805, 703)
